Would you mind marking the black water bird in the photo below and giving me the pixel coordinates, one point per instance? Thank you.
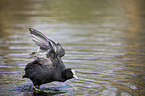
(51, 67)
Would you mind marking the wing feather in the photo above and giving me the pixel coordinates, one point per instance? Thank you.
(39, 38)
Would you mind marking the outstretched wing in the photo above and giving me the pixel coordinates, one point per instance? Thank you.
(39, 38)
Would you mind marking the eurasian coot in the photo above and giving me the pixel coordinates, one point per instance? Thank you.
(51, 69)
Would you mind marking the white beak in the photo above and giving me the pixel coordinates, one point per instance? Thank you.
(74, 74)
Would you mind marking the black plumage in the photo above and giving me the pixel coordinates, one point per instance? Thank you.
(51, 69)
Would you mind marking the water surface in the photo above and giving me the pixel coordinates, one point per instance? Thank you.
(103, 39)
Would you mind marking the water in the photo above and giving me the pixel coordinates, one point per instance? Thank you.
(103, 39)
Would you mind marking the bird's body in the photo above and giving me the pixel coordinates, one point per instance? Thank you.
(48, 65)
(41, 74)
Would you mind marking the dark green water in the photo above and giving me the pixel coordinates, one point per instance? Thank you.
(104, 42)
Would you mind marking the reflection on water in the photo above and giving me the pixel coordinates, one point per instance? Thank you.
(104, 42)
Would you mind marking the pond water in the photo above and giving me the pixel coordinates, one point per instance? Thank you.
(103, 39)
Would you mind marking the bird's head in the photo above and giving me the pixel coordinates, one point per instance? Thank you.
(68, 74)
